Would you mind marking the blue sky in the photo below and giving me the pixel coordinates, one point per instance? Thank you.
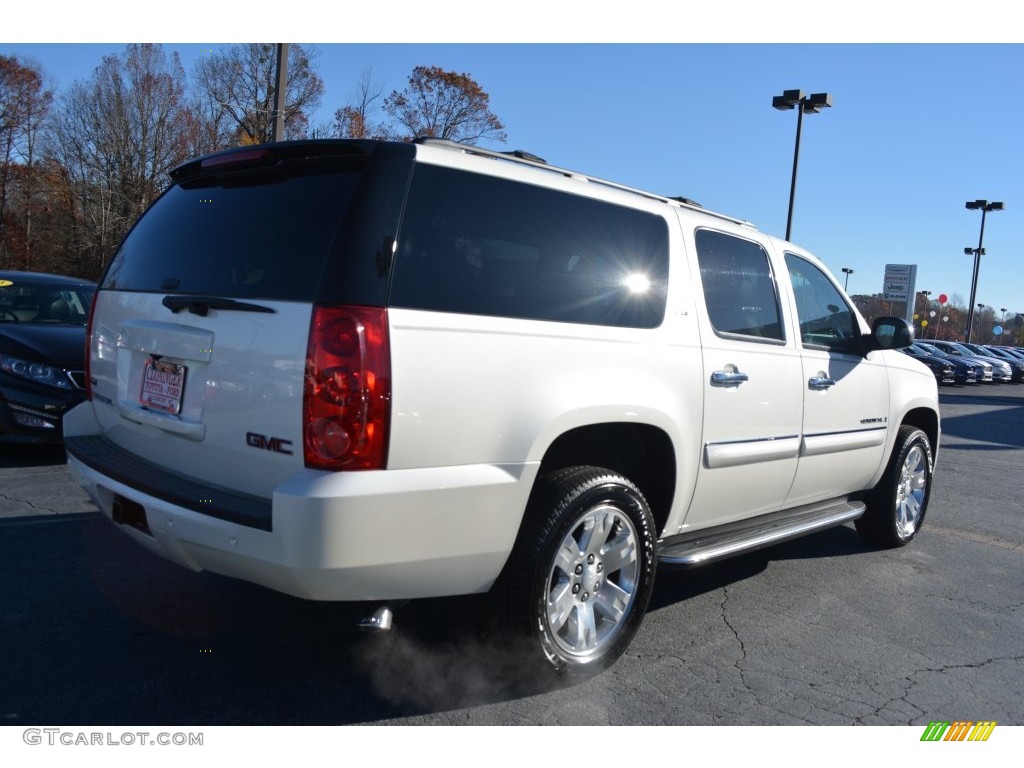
(916, 130)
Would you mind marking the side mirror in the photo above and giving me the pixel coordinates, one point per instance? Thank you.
(889, 333)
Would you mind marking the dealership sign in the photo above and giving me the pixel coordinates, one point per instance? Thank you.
(899, 282)
(898, 285)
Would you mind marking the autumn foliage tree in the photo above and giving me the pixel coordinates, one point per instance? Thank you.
(78, 169)
(446, 105)
(24, 107)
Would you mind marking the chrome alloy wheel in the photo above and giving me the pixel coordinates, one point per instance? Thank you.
(910, 491)
(592, 581)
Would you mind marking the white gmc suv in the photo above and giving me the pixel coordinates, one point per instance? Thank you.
(372, 371)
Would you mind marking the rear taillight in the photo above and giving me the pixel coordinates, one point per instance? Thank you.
(88, 347)
(347, 398)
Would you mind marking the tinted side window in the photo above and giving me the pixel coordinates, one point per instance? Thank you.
(739, 289)
(825, 318)
(480, 245)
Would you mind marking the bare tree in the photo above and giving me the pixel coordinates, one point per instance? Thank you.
(116, 136)
(355, 119)
(444, 105)
(208, 126)
(237, 86)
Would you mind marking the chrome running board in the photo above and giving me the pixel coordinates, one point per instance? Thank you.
(689, 550)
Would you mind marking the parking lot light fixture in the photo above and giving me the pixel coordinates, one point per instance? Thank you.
(924, 312)
(795, 99)
(984, 206)
(846, 284)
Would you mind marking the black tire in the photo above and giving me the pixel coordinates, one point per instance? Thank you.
(577, 584)
(897, 505)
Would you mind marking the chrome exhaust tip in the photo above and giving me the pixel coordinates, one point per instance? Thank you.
(378, 621)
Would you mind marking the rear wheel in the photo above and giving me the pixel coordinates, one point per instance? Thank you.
(579, 580)
(896, 507)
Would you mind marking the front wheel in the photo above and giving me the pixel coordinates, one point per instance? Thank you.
(897, 505)
(582, 572)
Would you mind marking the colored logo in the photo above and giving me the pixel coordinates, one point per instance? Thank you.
(959, 730)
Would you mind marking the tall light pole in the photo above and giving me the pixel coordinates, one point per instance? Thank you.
(848, 272)
(810, 104)
(926, 294)
(279, 93)
(984, 206)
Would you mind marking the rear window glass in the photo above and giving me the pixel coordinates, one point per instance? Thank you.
(258, 235)
(480, 245)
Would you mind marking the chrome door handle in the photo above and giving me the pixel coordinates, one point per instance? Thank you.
(821, 382)
(728, 378)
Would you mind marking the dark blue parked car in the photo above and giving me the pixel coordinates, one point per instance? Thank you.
(42, 353)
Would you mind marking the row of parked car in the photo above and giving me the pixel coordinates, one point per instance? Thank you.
(957, 363)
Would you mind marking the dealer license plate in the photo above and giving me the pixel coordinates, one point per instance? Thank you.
(162, 385)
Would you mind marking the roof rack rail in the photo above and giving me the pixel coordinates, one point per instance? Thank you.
(519, 156)
(522, 154)
(687, 201)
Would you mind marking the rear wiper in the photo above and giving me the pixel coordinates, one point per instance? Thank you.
(201, 305)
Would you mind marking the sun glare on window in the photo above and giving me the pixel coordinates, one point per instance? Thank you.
(636, 283)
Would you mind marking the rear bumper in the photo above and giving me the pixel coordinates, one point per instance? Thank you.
(384, 535)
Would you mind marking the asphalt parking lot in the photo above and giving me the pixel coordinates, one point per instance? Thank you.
(823, 630)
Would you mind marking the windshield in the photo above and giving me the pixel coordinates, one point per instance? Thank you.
(996, 352)
(29, 300)
(961, 349)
